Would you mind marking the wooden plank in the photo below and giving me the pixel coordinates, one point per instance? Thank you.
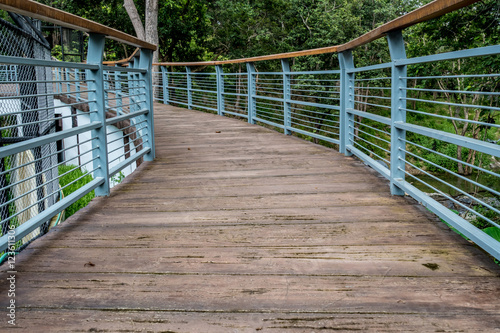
(241, 257)
(425, 13)
(64, 19)
(87, 320)
(255, 291)
(277, 235)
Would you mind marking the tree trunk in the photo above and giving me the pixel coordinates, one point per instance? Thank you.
(129, 6)
(150, 33)
(152, 25)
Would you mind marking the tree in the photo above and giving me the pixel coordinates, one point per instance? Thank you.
(148, 31)
(107, 12)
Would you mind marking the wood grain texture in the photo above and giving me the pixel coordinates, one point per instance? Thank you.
(236, 228)
(64, 19)
(431, 10)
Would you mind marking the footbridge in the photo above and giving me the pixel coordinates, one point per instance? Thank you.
(246, 201)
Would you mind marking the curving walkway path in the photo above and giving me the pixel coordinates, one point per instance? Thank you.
(236, 228)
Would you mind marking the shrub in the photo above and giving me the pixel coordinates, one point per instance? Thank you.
(68, 178)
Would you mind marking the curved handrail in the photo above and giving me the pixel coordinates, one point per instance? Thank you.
(59, 17)
(431, 10)
(122, 62)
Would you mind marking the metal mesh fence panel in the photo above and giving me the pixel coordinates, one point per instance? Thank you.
(27, 178)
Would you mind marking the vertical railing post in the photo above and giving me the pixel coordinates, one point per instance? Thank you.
(132, 86)
(60, 79)
(146, 62)
(251, 89)
(220, 90)
(346, 119)
(135, 100)
(164, 80)
(287, 121)
(67, 78)
(398, 112)
(98, 112)
(118, 93)
(77, 85)
(189, 86)
(106, 88)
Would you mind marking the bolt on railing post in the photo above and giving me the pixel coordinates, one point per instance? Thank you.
(346, 119)
(220, 90)
(189, 86)
(98, 111)
(251, 90)
(164, 80)
(287, 123)
(146, 62)
(398, 112)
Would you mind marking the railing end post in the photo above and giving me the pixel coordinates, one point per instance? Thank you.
(97, 103)
(189, 87)
(220, 90)
(346, 132)
(287, 123)
(251, 104)
(146, 62)
(398, 110)
(164, 81)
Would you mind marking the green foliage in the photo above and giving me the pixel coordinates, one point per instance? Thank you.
(251, 28)
(488, 213)
(118, 178)
(108, 12)
(493, 232)
(183, 30)
(70, 173)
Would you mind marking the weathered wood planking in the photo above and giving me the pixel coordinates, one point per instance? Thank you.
(248, 230)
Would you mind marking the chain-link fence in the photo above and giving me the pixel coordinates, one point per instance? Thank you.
(27, 178)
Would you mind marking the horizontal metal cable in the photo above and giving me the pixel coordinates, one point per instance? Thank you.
(373, 128)
(448, 197)
(371, 143)
(449, 157)
(368, 151)
(371, 135)
(452, 118)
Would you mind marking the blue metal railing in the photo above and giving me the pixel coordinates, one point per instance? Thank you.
(435, 137)
(105, 117)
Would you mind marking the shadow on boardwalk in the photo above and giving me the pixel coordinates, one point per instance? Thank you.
(235, 228)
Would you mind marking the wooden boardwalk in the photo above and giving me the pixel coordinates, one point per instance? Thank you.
(236, 228)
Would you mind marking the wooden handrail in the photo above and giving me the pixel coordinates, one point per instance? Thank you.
(122, 62)
(431, 10)
(64, 19)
